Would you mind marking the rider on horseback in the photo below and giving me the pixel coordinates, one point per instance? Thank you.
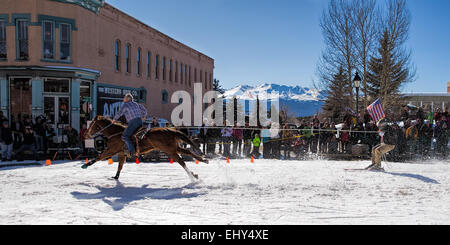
(134, 114)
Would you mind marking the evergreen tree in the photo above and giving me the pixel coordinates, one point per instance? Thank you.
(387, 73)
(338, 96)
(217, 87)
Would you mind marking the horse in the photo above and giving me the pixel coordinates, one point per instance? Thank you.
(162, 139)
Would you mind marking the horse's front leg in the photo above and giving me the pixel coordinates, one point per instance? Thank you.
(122, 159)
(101, 157)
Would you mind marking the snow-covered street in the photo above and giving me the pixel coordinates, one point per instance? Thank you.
(264, 192)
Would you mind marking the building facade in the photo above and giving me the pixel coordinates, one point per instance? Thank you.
(70, 60)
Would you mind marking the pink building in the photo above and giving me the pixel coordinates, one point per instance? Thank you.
(70, 60)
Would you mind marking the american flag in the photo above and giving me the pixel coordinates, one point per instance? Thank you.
(376, 111)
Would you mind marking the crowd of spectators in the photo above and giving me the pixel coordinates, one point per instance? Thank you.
(32, 136)
(419, 134)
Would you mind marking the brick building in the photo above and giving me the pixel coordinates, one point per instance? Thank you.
(73, 59)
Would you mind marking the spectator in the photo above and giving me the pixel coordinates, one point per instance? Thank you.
(226, 139)
(426, 135)
(28, 143)
(287, 141)
(72, 136)
(442, 134)
(39, 130)
(6, 141)
(256, 143)
(412, 135)
(247, 137)
(237, 136)
(275, 141)
(265, 139)
(2, 118)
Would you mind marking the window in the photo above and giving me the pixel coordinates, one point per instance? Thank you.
(127, 58)
(170, 70)
(149, 67)
(206, 78)
(117, 55)
(138, 61)
(210, 80)
(201, 76)
(22, 39)
(156, 67)
(164, 68)
(164, 96)
(49, 40)
(181, 73)
(185, 73)
(176, 71)
(65, 42)
(3, 55)
(190, 76)
(195, 74)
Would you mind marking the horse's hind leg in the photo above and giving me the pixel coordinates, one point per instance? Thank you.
(177, 158)
(192, 154)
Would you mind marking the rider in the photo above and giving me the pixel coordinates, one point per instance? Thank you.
(134, 114)
(388, 140)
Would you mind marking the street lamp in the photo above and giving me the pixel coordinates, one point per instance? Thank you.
(357, 83)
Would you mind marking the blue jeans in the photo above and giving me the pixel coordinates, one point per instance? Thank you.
(133, 125)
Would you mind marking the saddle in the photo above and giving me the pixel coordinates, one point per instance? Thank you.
(137, 136)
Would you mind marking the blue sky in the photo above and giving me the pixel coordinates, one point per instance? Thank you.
(279, 41)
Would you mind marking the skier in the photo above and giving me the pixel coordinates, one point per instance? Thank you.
(388, 139)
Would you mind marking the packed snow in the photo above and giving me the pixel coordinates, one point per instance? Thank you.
(266, 192)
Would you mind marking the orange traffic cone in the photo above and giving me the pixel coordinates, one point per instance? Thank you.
(87, 160)
(171, 161)
(252, 160)
(228, 160)
(48, 162)
(137, 160)
(110, 161)
(196, 161)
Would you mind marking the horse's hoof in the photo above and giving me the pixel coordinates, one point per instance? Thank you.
(115, 178)
(195, 176)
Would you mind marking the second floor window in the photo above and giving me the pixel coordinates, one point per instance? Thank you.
(138, 61)
(156, 67)
(117, 55)
(49, 40)
(127, 58)
(164, 68)
(22, 39)
(149, 67)
(65, 42)
(3, 39)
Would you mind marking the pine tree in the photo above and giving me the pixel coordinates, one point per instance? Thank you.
(338, 96)
(217, 87)
(387, 73)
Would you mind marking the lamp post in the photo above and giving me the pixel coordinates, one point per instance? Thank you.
(357, 83)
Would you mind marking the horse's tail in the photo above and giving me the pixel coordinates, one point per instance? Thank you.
(186, 139)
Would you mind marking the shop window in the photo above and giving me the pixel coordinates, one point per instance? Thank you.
(48, 32)
(65, 42)
(56, 85)
(164, 68)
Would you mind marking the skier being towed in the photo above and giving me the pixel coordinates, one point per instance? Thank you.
(388, 140)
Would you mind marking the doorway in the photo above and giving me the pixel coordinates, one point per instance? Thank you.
(56, 110)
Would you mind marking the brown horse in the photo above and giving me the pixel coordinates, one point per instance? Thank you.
(163, 139)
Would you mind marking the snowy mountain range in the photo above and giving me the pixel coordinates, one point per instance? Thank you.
(300, 101)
